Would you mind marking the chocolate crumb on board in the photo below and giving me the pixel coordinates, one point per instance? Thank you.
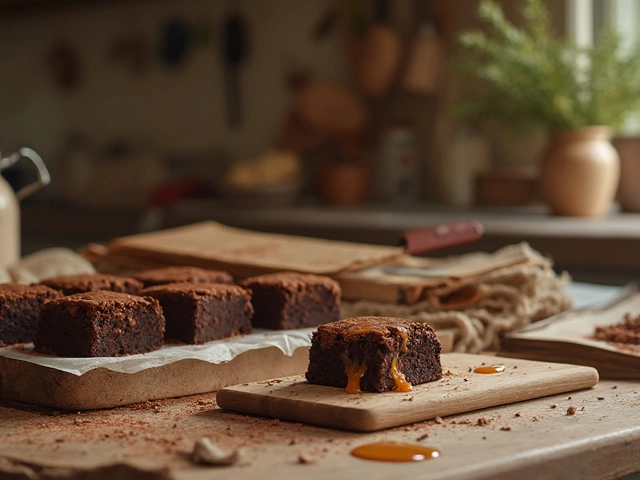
(554, 405)
(625, 332)
(422, 437)
(600, 398)
(571, 410)
(483, 421)
(517, 414)
(505, 428)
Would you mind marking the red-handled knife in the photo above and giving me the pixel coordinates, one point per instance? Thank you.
(444, 235)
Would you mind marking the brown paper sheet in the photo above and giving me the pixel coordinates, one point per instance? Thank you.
(244, 253)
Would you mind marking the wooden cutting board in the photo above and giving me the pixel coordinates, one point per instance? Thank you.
(460, 390)
(102, 388)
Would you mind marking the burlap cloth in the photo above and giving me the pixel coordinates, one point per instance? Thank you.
(500, 301)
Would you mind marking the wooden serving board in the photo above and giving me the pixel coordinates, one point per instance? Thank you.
(102, 388)
(460, 390)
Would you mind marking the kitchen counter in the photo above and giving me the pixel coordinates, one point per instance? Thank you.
(534, 439)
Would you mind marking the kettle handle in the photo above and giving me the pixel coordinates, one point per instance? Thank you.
(41, 169)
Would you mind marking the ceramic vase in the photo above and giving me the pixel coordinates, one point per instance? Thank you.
(579, 172)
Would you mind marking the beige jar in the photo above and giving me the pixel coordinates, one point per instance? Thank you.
(580, 171)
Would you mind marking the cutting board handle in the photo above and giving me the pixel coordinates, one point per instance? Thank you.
(441, 236)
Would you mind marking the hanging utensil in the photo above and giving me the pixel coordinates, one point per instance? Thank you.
(235, 49)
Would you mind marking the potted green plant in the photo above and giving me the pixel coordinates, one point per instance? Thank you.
(578, 94)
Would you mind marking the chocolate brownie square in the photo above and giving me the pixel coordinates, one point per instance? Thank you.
(199, 313)
(162, 276)
(100, 324)
(293, 300)
(376, 354)
(19, 311)
(71, 284)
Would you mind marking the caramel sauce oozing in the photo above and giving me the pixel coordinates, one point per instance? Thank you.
(395, 452)
(489, 369)
(402, 385)
(354, 372)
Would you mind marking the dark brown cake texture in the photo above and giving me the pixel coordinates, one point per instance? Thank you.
(71, 284)
(199, 313)
(375, 354)
(162, 276)
(293, 300)
(20, 309)
(100, 324)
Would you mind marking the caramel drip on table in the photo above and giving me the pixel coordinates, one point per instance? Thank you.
(395, 452)
(354, 372)
(489, 369)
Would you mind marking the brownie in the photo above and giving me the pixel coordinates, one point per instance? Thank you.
(162, 276)
(100, 324)
(71, 284)
(293, 300)
(375, 354)
(19, 310)
(199, 313)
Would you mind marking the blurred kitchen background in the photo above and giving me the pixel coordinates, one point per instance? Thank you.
(334, 118)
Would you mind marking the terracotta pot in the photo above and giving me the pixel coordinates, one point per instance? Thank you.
(579, 171)
(343, 184)
(629, 194)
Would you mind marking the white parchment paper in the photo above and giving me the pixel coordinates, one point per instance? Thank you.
(218, 351)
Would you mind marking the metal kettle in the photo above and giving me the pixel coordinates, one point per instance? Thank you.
(9, 204)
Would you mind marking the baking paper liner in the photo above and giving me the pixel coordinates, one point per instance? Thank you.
(218, 351)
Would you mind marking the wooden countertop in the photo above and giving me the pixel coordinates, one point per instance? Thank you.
(534, 439)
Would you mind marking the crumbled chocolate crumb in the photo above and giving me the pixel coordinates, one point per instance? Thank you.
(554, 405)
(534, 419)
(614, 387)
(483, 421)
(422, 437)
(626, 332)
(571, 410)
(505, 428)
(600, 398)
(517, 414)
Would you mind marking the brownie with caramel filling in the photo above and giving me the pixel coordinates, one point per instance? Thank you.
(375, 354)
(100, 324)
(199, 313)
(70, 284)
(162, 276)
(19, 311)
(293, 300)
